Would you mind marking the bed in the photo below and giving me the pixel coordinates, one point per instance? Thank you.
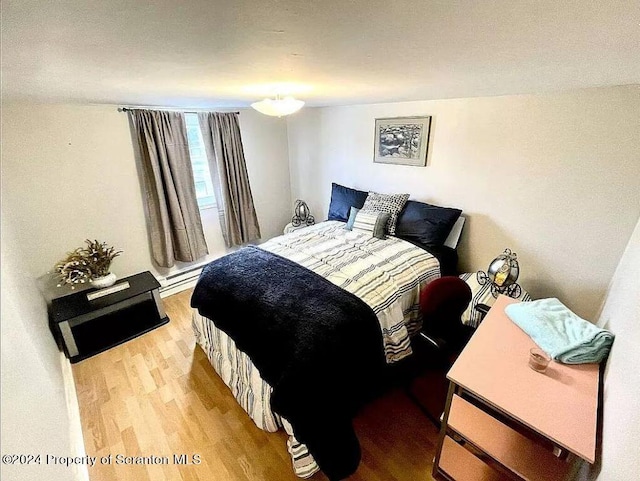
(386, 275)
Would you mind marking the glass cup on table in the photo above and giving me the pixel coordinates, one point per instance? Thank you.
(538, 359)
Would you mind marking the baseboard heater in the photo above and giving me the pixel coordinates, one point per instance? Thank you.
(185, 272)
(183, 279)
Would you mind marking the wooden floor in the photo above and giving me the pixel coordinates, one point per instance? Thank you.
(157, 395)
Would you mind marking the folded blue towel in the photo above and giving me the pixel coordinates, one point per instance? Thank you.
(563, 335)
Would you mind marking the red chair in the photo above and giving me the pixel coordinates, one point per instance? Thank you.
(442, 303)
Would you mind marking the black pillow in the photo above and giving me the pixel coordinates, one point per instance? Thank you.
(426, 223)
(342, 199)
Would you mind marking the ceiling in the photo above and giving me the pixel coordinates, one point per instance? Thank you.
(216, 53)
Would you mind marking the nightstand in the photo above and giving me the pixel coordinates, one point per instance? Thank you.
(482, 299)
(292, 228)
(91, 321)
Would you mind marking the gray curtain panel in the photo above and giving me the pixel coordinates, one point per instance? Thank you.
(223, 143)
(173, 217)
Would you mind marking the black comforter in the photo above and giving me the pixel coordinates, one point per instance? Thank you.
(317, 345)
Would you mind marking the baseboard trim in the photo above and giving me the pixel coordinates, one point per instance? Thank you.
(80, 471)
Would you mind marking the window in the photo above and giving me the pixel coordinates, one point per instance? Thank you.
(199, 163)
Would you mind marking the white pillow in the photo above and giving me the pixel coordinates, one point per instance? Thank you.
(374, 222)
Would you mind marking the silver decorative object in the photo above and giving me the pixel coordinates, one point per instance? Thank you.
(502, 275)
(301, 214)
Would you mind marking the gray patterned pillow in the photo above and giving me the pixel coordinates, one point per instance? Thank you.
(392, 204)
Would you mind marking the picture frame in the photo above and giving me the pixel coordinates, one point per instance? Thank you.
(402, 140)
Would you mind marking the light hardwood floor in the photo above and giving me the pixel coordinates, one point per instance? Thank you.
(158, 395)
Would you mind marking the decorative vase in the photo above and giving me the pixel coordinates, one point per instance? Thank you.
(104, 281)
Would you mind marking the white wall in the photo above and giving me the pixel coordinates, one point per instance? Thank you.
(70, 173)
(621, 416)
(35, 413)
(554, 177)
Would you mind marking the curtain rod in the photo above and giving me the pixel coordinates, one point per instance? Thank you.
(129, 109)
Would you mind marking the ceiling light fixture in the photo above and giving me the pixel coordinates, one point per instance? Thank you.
(278, 107)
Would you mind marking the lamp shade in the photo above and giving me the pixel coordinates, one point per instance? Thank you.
(278, 107)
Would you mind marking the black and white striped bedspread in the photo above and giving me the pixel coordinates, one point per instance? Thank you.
(386, 274)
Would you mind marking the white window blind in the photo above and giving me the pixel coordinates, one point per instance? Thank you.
(199, 163)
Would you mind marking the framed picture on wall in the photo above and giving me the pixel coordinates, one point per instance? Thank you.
(402, 140)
